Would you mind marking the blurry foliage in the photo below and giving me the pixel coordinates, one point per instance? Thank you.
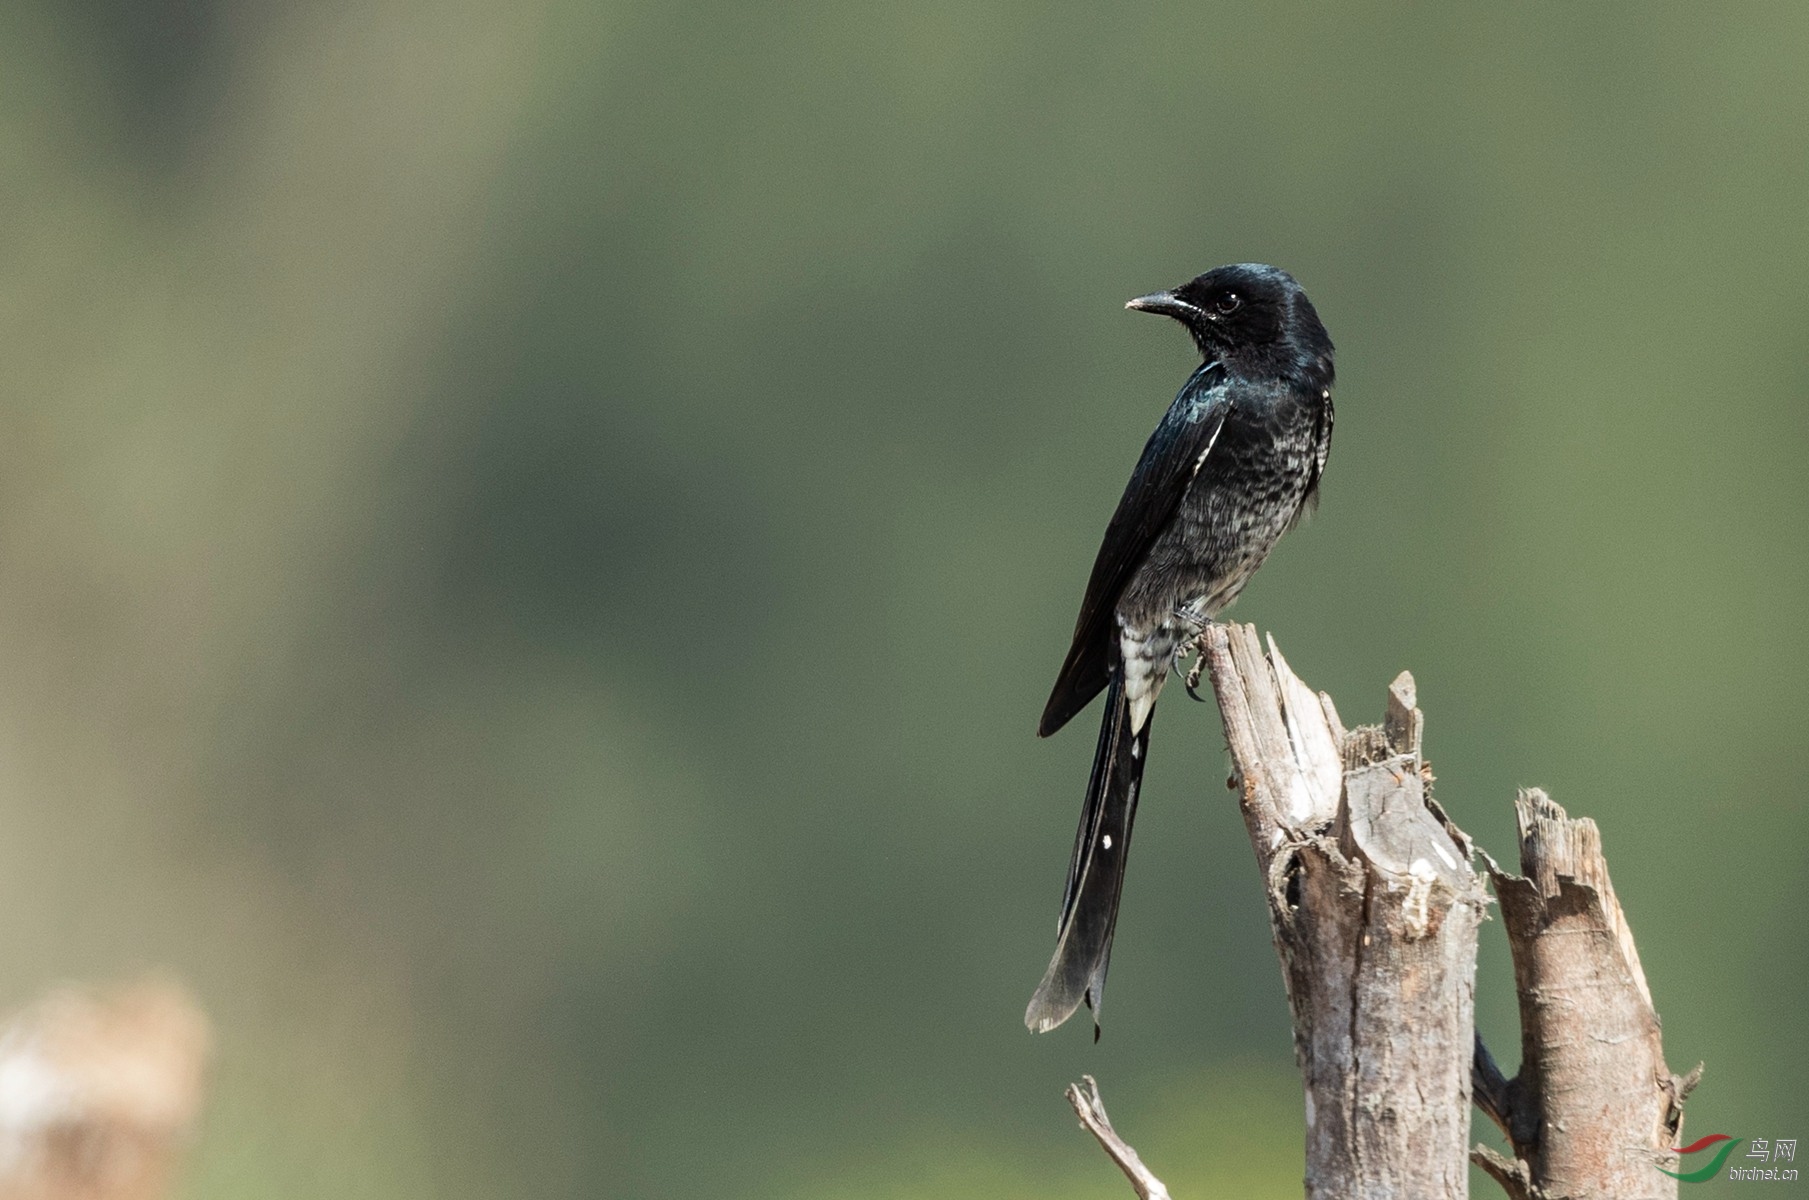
(534, 537)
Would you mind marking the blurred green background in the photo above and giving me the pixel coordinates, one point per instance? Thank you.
(535, 536)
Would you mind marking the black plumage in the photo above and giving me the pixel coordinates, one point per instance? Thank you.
(1233, 465)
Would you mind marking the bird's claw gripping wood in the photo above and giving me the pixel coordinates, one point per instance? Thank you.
(1191, 681)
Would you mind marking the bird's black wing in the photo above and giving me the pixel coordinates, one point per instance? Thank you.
(1171, 459)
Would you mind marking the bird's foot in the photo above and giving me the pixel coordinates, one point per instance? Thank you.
(1191, 681)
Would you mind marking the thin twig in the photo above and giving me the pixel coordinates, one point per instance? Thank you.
(1510, 1173)
(1084, 1096)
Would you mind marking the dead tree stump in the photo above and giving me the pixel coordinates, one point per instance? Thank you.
(1594, 1113)
(1374, 908)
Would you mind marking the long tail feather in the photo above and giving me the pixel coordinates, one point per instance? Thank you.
(1083, 947)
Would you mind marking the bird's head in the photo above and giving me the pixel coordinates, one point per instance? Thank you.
(1247, 315)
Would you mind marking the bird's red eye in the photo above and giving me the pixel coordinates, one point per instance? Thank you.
(1229, 303)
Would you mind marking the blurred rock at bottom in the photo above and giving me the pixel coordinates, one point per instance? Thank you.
(99, 1092)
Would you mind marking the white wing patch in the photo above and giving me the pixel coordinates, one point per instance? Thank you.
(1210, 443)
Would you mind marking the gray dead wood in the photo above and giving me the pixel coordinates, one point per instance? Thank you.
(1594, 1111)
(1084, 1097)
(1374, 909)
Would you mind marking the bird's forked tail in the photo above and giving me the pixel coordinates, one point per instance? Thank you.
(1083, 945)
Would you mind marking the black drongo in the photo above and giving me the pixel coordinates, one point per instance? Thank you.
(1234, 464)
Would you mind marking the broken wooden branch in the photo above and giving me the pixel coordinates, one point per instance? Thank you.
(1594, 1113)
(1084, 1096)
(1374, 910)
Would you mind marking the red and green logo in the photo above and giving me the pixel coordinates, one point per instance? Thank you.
(1704, 1174)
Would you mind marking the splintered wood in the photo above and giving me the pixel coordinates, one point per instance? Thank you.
(1374, 907)
(1595, 1113)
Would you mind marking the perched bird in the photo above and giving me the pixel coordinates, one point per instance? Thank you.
(1234, 464)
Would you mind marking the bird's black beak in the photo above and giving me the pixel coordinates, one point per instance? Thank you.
(1167, 304)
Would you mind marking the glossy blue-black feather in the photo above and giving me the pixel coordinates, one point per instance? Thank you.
(1172, 457)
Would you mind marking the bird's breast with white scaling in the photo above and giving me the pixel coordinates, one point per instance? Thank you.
(1247, 493)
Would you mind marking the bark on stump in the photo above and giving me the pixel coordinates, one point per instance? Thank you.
(1374, 908)
(1594, 1113)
